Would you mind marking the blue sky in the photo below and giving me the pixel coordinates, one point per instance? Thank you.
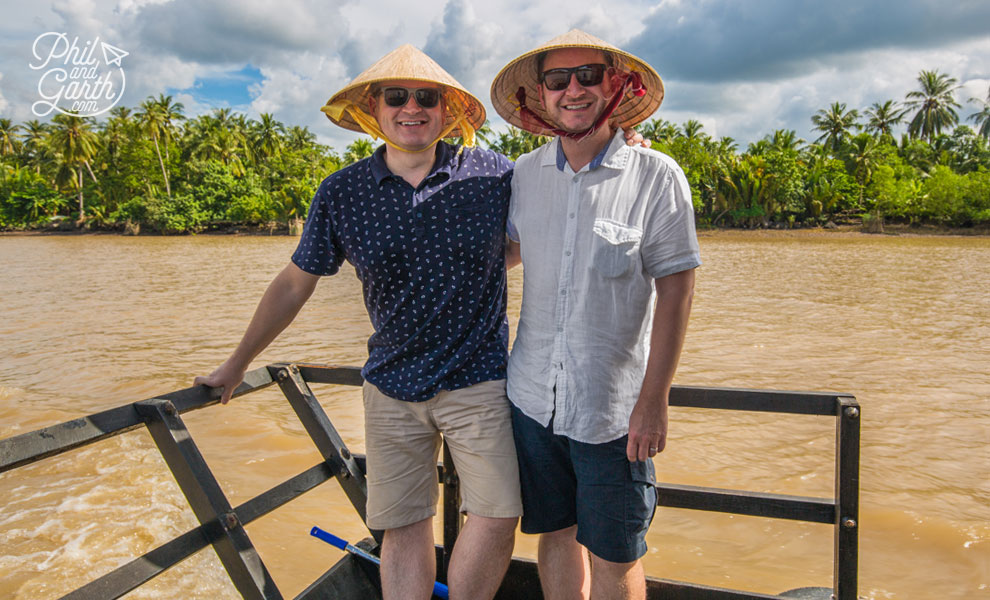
(742, 68)
(230, 88)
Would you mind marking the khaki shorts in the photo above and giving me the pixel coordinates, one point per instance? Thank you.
(402, 440)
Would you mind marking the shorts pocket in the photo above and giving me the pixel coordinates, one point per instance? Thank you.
(615, 248)
(642, 501)
(642, 471)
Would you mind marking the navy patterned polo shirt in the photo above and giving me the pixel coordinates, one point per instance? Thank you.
(431, 261)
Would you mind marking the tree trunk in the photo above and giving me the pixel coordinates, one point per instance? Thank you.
(90, 169)
(168, 189)
(82, 210)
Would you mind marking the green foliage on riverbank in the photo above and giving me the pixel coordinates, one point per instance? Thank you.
(153, 168)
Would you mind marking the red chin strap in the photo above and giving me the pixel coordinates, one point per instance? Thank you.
(633, 82)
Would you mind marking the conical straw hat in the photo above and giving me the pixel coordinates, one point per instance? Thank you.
(405, 63)
(521, 72)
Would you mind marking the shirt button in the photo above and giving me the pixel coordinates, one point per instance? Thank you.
(567, 253)
(571, 215)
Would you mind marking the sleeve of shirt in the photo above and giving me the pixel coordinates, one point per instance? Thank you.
(510, 228)
(319, 251)
(670, 244)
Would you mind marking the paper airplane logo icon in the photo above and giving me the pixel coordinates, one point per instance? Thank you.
(112, 51)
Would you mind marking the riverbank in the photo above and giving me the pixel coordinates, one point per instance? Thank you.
(283, 229)
(896, 229)
(66, 227)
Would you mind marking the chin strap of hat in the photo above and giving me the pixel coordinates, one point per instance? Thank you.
(632, 83)
(454, 107)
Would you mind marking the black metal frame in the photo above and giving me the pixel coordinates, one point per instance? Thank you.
(223, 526)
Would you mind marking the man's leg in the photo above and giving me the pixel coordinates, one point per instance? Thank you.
(477, 427)
(549, 491)
(481, 557)
(564, 567)
(616, 501)
(402, 445)
(617, 581)
(408, 562)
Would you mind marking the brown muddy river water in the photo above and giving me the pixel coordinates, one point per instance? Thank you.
(902, 323)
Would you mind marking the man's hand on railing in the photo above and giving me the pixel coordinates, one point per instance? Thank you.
(227, 376)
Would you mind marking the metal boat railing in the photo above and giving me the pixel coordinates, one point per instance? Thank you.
(222, 525)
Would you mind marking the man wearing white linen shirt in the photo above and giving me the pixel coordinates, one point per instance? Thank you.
(606, 235)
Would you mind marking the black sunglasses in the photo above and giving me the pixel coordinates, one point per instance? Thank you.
(587, 75)
(398, 96)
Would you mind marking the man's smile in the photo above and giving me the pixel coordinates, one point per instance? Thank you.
(573, 106)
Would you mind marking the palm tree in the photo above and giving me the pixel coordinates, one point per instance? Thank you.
(785, 139)
(658, 130)
(982, 118)
(153, 121)
(223, 136)
(835, 122)
(300, 137)
(75, 143)
(266, 136)
(33, 147)
(742, 191)
(725, 146)
(759, 147)
(229, 147)
(693, 129)
(517, 142)
(116, 133)
(883, 117)
(171, 114)
(862, 158)
(8, 136)
(484, 134)
(935, 105)
(223, 116)
(358, 149)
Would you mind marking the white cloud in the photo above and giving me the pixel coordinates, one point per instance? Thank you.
(747, 111)
(248, 31)
(718, 40)
(742, 69)
(3, 101)
(465, 46)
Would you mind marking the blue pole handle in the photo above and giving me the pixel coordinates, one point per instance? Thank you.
(439, 590)
(328, 537)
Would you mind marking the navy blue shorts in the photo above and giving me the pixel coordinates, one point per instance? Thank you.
(564, 482)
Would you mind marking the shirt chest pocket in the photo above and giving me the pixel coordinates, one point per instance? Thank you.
(615, 248)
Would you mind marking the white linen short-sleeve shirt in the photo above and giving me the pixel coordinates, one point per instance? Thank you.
(592, 244)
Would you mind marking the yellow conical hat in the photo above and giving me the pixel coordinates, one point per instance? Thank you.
(521, 73)
(349, 107)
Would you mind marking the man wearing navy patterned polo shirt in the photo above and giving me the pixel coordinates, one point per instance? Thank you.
(423, 224)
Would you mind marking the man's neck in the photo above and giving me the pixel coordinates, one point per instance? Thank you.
(581, 152)
(411, 166)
